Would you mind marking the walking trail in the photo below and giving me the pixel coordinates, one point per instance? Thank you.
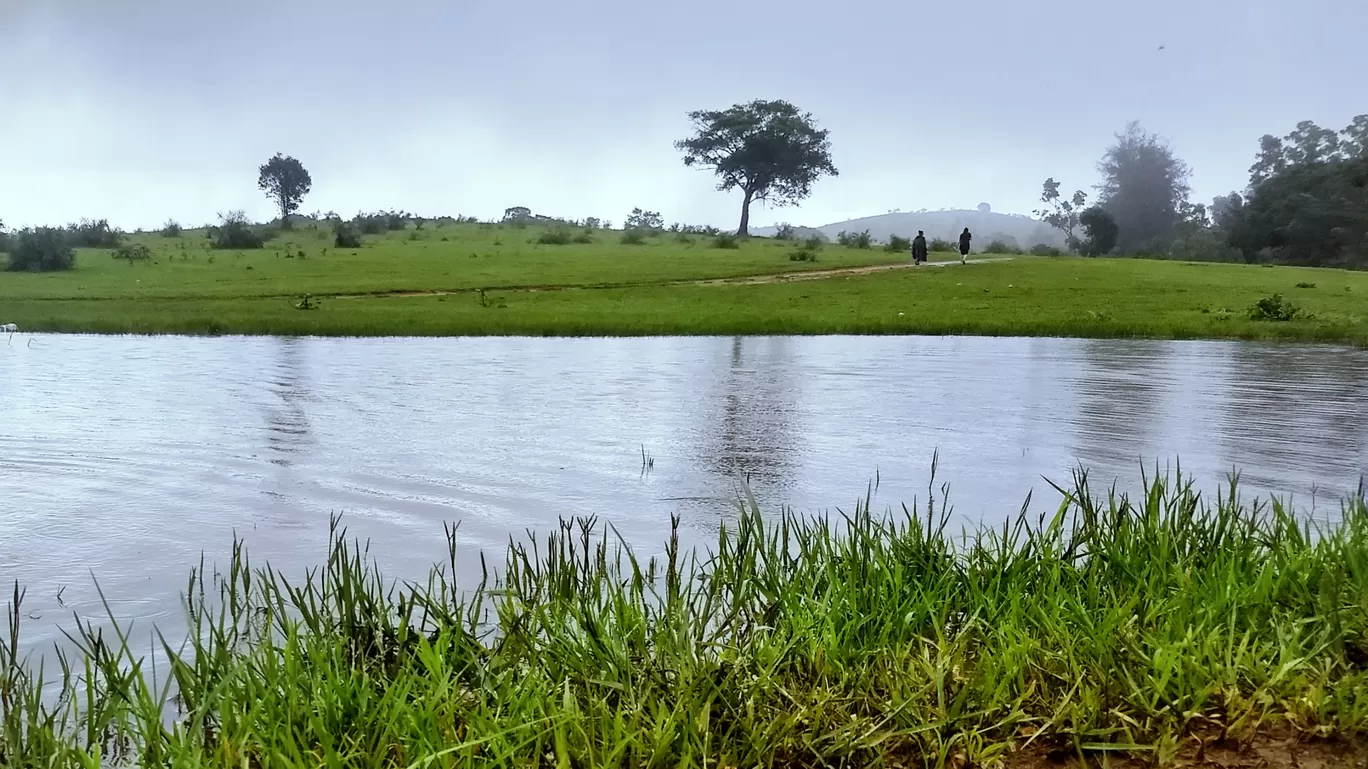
(782, 277)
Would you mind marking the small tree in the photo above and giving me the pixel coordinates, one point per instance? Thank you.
(1061, 213)
(767, 149)
(1099, 230)
(517, 215)
(285, 181)
(651, 221)
(44, 249)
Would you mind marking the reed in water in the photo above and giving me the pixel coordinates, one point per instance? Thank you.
(1141, 625)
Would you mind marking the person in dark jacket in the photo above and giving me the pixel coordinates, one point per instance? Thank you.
(919, 248)
(965, 237)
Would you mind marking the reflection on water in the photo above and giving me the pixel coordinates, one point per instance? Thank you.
(128, 457)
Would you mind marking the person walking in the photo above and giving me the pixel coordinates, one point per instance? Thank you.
(965, 237)
(919, 248)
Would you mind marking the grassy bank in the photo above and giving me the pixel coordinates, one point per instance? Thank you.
(1164, 628)
(1021, 297)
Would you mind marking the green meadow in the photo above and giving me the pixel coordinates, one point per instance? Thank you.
(499, 280)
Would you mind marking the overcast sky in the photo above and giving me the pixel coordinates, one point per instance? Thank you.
(143, 110)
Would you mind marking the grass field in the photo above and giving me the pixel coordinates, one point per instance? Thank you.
(612, 289)
(1167, 629)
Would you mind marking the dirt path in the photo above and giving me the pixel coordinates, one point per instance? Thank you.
(782, 277)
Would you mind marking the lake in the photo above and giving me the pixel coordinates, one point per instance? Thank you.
(125, 458)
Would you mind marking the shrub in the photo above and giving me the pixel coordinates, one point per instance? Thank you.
(42, 249)
(700, 229)
(1040, 249)
(941, 245)
(345, 236)
(235, 232)
(854, 239)
(726, 240)
(1306, 285)
(1274, 308)
(556, 237)
(633, 238)
(135, 252)
(897, 243)
(814, 242)
(786, 231)
(1002, 247)
(804, 253)
(584, 238)
(94, 234)
(171, 229)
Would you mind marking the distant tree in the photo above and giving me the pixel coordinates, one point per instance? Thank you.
(285, 181)
(1063, 213)
(517, 214)
(43, 249)
(769, 150)
(1144, 186)
(592, 222)
(644, 220)
(4, 237)
(1099, 231)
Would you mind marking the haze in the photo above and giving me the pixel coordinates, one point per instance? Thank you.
(144, 110)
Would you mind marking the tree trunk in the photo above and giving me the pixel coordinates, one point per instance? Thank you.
(284, 214)
(744, 229)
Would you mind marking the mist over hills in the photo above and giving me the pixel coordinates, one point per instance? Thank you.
(986, 225)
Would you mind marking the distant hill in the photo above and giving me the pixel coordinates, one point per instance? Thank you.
(987, 226)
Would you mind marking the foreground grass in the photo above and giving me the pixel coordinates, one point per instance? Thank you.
(1127, 626)
(1022, 297)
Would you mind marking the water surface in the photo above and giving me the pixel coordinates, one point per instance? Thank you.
(127, 457)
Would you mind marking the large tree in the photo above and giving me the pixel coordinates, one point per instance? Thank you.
(1307, 201)
(1144, 188)
(285, 181)
(767, 149)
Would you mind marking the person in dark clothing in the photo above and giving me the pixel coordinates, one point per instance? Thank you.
(919, 248)
(965, 237)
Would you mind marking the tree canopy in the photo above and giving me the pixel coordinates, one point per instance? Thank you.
(769, 150)
(285, 181)
(1144, 188)
(1307, 200)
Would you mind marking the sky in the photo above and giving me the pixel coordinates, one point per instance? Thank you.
(140, 111)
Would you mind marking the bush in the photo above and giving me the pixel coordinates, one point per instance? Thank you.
(1306, 285)
(1002, 247)
(700, 229)
(136, 252)
(941, 246)
(44, 249)
(805, 253)
(345, 236)
(786, 231)
(171, 229)
(556, 237)
(235, 232)
(584, 238)
(1040, 249)
(897, 243)
(1274, 308)
(854, 239)
(94, 234)
(814, 242)
(726, 240)
(633, 238)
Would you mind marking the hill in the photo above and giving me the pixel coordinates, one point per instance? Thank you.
(987, 226)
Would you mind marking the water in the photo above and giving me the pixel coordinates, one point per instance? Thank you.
(125, 458)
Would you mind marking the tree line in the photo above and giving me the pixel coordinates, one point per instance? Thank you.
(1306, 201)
